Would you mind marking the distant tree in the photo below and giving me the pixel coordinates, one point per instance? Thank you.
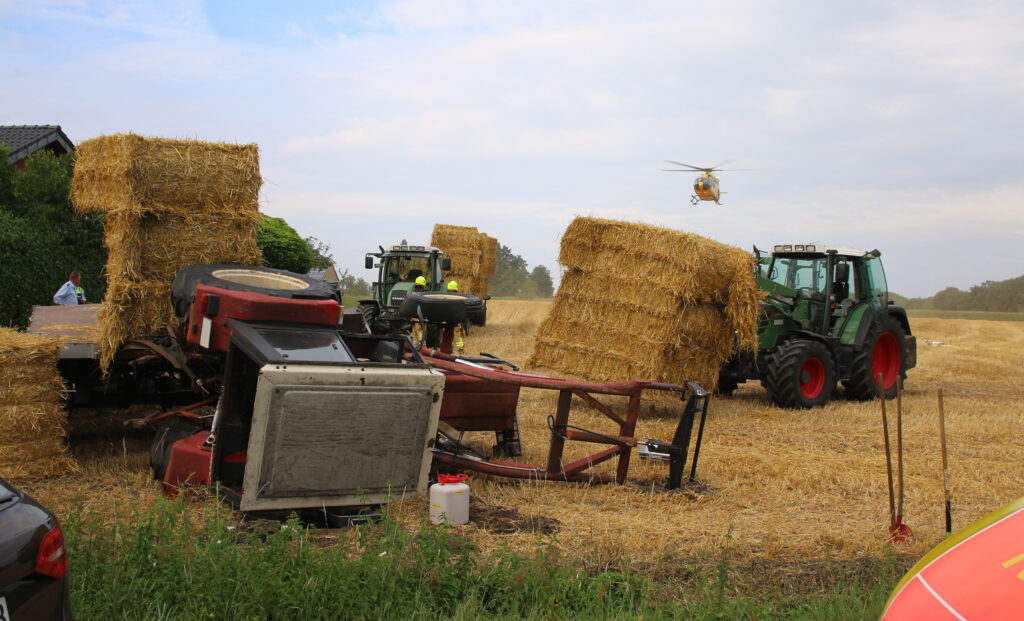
(951, 298)
(322, 258)
(282, 247)
(351, 285)
(510, 274)
(992, 296)
(541, 277)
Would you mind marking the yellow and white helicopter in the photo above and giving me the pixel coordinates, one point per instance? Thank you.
(705, 187)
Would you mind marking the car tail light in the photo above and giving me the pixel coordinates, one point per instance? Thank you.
(53, 554)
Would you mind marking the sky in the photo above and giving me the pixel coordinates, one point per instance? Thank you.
(888, 125)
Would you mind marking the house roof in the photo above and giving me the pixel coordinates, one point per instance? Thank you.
(24, 140)
(328, 274)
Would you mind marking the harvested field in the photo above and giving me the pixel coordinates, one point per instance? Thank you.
(781, 488)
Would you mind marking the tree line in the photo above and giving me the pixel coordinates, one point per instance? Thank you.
(513, 278)
(995, 296)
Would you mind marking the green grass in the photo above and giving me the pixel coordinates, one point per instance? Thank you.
(171, 564)
(951, 314)
(352, 301)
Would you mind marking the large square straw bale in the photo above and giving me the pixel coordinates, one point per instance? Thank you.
(32, 416)
(473, 256)
(645, 302)
(168, 204)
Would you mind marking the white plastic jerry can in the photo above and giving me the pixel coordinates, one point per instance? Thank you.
(449, 500)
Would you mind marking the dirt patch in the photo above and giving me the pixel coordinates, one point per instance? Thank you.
(503, 521)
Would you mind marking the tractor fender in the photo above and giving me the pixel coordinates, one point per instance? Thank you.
(900, 314)
(867, 320)
(831, 344)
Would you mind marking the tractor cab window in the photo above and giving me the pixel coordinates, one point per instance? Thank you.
(876, 287)
(407, 269)
(802, 274)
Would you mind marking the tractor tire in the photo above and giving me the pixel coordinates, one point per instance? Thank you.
(371, 314)
(435, 307)
(160, 449)
(476, 310)
(726, 386)
(800, 374)
(885, 352)
(480, 318)
(237, 277)
(432, 336)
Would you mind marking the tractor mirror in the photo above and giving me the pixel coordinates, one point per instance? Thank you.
(842, 272)
(369, 262)
(446, 263)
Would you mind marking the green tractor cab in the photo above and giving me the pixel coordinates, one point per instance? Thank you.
(398, 267)
(826, 318)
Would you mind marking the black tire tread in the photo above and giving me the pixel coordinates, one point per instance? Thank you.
(781, 377)
(862, 386)
(436, 307)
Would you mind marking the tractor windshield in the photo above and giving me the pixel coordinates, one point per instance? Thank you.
(407, 269)
(808, 274)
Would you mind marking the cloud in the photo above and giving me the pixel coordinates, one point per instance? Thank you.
(882, 125)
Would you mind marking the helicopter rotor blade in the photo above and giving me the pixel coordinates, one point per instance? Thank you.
(690, 166)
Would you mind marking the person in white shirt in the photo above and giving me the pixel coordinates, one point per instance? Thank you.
(71, 292)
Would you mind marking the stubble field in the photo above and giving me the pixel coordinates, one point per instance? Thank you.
(781, 489)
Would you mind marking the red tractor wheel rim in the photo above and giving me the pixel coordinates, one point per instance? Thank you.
(812, 378)
(885, 359)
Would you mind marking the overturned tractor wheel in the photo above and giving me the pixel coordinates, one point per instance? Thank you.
(235, 277)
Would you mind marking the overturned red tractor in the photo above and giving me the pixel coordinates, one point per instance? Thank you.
(299, 405)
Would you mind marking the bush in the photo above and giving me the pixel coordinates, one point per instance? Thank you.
(41, 239)
(282, 247)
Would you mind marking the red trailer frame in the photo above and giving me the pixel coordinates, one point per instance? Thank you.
(620, 445)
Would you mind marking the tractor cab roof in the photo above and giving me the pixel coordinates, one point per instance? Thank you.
(818, 248)
(407, 249)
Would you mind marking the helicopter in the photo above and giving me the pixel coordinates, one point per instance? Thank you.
(705, 187)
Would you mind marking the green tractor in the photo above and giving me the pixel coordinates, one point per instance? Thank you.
(398, 267)
(826, 318)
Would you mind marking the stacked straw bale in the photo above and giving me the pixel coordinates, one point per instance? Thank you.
(168, 204)
(474, 256)
(32, 416)
(645, 302)
(488, 262)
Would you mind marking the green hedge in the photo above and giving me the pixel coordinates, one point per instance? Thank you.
(282, 247)
(41, 239)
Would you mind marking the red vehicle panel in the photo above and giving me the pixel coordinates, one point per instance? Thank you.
(218, 305)
(190, 463)
(475, 404)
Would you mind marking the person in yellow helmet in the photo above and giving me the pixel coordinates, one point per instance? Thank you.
(453, 287)
(420, 284)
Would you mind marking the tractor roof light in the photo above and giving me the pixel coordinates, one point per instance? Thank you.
(795, 248)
